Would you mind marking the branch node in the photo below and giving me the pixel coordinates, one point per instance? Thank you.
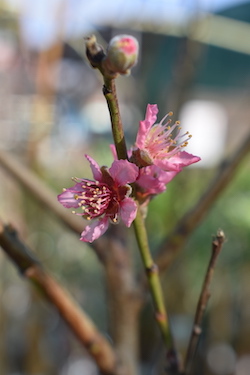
(197, 330)
(105, 90)
(160, 317)
(152, 270)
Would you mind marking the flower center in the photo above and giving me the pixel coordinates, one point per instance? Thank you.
(160, 142)
(94, 199)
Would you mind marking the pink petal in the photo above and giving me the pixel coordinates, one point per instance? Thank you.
(152, 180)
(97, 174)
(67, 198)
(187, 159)
(123, 172)
(144, 126)
(128, 211)
(177, 162)
(167, 176)
(95, 230)
(113, 150)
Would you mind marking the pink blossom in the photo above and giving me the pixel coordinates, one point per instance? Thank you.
(156, 145)
(105, 199)
(152, 180)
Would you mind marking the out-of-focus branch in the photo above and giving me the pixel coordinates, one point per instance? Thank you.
(97, 346)
(39, 190)
(176, 240)
(203, 300)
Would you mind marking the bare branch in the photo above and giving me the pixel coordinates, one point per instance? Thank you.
(82, 326)
(203, 300)
(39, 190)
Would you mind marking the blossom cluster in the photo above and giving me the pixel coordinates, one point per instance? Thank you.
(155, 159)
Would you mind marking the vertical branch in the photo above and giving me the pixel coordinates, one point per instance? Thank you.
(152, 274)
(203, 300)
(109, 91)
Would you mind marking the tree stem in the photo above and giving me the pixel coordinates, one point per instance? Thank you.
(151, 270)
(109, 91)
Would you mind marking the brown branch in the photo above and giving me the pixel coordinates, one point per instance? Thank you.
(176, 240)
(203, 300)
(82, 326)
(39, 190)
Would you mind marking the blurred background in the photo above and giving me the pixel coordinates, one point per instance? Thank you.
(195, 61)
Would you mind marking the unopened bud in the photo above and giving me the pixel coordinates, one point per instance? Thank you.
(122, 53)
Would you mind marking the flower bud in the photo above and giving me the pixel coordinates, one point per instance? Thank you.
(122, 53)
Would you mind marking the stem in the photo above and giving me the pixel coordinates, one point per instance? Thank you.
(156, 292)
(203, 300)
(109, 91)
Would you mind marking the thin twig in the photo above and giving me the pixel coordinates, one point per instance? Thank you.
(109, 91)
(82, 326)
(203, 300)
(172, 244)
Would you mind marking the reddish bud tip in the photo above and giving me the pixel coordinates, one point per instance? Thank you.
(122, 53)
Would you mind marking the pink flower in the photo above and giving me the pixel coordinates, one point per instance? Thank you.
(105, 199)
(156, 145)
(152, 180)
